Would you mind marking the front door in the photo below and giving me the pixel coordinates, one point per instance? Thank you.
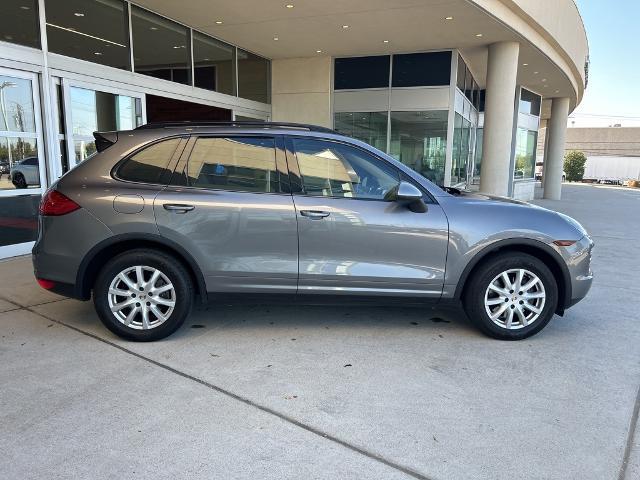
(229, 206)
(352, 241)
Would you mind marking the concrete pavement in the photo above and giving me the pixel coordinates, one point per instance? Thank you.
(331, 392)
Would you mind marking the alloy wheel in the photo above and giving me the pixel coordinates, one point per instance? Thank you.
(515, 298)
(141, 297)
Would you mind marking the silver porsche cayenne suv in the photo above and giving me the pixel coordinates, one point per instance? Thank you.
(168, 215)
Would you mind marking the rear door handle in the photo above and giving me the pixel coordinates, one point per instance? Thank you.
(314, 214)
(177, 207)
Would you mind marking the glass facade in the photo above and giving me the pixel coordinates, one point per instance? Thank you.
(361, 72)
(93, 30)
(160, 47)
(525, 155)
(254, 77)
(98, 31)
(99, 111)
(19, 22)
(419, 140)
(213, 64)
(421, 69)
(370, 127)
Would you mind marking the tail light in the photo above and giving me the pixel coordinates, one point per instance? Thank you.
(54, 203)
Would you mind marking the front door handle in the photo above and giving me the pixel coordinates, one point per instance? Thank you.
(178, 207)
(314, 214)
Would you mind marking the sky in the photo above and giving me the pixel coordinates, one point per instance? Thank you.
(613, 93)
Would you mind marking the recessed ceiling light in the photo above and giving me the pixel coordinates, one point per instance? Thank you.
(153, 28)
(24, 7)
(525, 64)
(206, 59)
(345, 26)
(557, 91)
(97, 53)
(218, 22)
(78, 14)
(478, 35)
(276, 38)
(318, 51)
(535, 73)
(544, 79)
(385, 41)
(448, 18)
(288, 5)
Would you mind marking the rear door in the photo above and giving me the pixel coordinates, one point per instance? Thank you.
(352, 241)
(229, 205)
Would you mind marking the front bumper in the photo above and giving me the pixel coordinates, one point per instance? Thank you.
(579, 264)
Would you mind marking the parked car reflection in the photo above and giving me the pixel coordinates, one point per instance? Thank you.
(25, 173)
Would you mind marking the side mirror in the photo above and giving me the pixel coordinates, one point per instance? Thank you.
(408, 194)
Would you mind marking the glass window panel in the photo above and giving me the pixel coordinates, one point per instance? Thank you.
(19, 22)
(529, 102)
(525, 153)
(477, 165)
(92, 30)
(361, 72)
(18, 219)
(419, 140)
(457, 149)
(160, 47)
(16, 105)
(239, 163)
(92, 111)
(421, 69)
(150, 164)
(468, 84)
(253, 77)
(19, 165)
(84, 148)
(461, 75)
(331, 169)
(213, 64)
(370, 127)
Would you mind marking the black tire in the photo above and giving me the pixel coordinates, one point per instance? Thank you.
(19, 181)
(482, 276)
(173, 269)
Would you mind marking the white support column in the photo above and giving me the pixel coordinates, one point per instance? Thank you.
(554, 156)
(502, 70)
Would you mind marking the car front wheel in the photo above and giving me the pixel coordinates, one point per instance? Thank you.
(143, 295)
(511, 296)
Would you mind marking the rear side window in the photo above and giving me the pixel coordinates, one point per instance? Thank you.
(150, 165)
(246, 164)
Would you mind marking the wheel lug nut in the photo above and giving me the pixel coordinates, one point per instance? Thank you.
(513, 306)
(137, 304)
(521, 302)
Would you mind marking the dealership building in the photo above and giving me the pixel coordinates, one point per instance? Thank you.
(456, 89)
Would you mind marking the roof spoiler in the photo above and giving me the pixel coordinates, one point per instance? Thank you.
(104, 140)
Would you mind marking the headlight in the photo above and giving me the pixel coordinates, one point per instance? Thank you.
(574, 223)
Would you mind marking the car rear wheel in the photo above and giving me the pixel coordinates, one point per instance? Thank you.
(511, 296)
(19, 181)
(143, 295)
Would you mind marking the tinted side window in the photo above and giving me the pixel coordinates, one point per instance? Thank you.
(331, 169)
(150, 165)
(237, 163)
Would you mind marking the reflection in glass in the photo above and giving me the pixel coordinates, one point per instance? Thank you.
(19, 165)
(462, 143)
(421, 69)
(477, 163)
(160, 47)
(361, 72)
(18, 219)
(16, 105)
(419, 140)
(525, 153)
(331, 169)
(370, 127)
(19, 22)
(239, 163)
(92, 30)
(93, 111)
(253, 77)
(529, 103)
(213, 64)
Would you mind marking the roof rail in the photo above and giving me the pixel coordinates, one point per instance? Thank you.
(240, 124)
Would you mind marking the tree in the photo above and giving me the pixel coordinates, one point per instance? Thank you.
(574, 162)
